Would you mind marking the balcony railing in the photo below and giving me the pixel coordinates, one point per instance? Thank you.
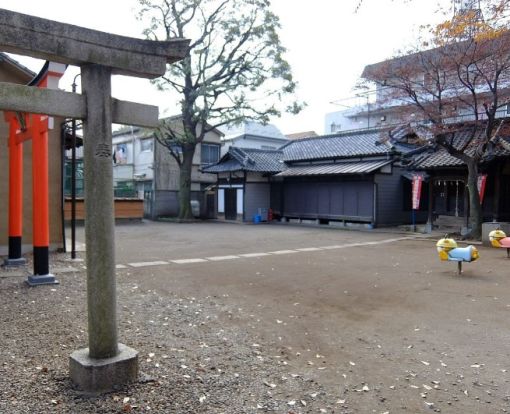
(392, 123)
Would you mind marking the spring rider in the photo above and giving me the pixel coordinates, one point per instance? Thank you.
(499, 239)
(449, 251)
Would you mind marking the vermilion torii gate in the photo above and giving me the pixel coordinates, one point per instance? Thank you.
(23, 127)
(105, 363)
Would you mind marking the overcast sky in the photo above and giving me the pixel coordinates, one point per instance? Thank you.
(328, 45)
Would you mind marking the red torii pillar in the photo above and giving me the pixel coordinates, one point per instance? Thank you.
(35, 128)
(40, 200)
(15, 193)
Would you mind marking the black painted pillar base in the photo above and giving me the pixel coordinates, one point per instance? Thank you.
(38, 280)
(42, 275)
(14, 259)
(14, 262)
(41, 260)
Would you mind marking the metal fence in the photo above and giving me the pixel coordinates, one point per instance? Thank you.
(121, 189)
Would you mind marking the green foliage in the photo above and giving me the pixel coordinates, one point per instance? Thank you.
(235, 67)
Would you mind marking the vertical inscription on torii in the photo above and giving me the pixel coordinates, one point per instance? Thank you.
(103, 150)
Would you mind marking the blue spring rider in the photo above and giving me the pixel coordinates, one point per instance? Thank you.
(449, 251)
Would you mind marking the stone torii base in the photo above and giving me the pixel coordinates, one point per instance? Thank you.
(101, 375)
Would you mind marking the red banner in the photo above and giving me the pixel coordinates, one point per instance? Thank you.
(417, 182)
(481, 182)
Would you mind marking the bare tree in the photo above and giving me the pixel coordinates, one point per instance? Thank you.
(456, 81)
(234, 70)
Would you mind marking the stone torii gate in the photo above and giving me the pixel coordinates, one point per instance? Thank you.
(105, 363)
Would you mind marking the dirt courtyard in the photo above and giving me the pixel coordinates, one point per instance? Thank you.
(271, 318)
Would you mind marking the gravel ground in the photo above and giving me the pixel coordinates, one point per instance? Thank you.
(375, 328)
(192, 359)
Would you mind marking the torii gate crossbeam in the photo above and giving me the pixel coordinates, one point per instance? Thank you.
(106, 363)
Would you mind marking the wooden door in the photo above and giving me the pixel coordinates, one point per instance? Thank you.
(230, 204)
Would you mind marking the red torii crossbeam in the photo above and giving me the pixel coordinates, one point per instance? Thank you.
(23, 127)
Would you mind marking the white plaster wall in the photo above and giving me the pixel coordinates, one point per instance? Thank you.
(221, 200)
(344, 123)
(144, 161)
(123, 172)
(240, 208)
(251, 142)
(256, 177)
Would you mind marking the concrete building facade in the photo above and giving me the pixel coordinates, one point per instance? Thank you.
(252, 135)
(144, 168)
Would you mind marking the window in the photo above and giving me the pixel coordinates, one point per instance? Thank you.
(120, 154)
(210, 154)
(267, 147)
(146, 144)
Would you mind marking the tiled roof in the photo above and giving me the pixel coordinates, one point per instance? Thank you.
(340, 146)
(6, 58)
(344, 146)
(355, 167)
(441, 158)
(249, 159)
(336, 146)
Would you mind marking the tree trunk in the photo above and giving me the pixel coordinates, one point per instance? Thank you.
(185, 213)
(475, 213)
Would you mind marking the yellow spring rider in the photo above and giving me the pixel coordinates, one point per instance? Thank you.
(498, 239)
(449, 251)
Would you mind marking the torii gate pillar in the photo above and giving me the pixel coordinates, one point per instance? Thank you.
(105, 361)
(96, 85)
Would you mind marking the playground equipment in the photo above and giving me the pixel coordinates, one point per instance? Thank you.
(449, 251)
(499, 239)
(25, 126)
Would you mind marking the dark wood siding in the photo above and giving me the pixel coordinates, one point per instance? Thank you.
(276, 197)
(504, 199)
(390, 200)
(257, 195)
(329, 199)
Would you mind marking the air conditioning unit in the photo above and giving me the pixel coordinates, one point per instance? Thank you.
(195, 208)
